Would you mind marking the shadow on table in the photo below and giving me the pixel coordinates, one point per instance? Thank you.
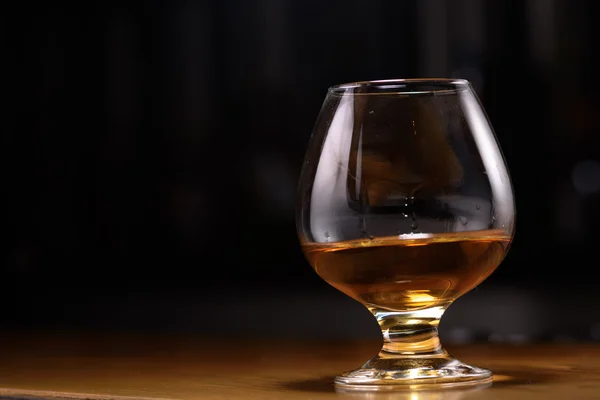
(503, 377)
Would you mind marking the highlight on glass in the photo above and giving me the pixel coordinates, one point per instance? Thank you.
(405, 204)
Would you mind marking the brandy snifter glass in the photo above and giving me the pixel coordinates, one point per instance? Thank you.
(405, 204)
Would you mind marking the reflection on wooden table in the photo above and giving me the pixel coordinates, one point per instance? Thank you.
(87, 366)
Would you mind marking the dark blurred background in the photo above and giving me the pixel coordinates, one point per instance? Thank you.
(151, 152)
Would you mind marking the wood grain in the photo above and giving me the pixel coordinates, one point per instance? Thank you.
(130, 367)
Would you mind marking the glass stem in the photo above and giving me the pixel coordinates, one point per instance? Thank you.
(410, 333)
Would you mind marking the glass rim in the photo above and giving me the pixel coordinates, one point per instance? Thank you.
(402, 86)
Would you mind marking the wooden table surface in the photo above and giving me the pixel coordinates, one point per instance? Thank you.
(125, 367)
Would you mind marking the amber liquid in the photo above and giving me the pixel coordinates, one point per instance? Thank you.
(402, 273)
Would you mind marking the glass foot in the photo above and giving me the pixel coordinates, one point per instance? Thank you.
(413, 373)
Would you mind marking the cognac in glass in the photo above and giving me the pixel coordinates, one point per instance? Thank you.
(405, 204)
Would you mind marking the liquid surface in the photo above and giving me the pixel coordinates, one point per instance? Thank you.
(405, 273)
